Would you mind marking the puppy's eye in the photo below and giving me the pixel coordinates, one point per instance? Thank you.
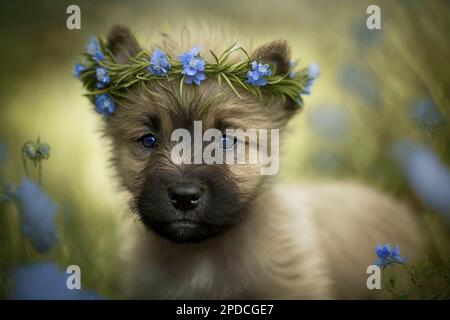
(148, 141)
(227, 141)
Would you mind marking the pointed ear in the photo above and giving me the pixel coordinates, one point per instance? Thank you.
(122, 43)
(277, 53)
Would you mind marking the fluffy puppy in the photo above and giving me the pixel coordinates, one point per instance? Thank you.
(226, 231)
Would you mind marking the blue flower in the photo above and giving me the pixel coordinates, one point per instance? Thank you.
(383, 252)
(313, 74)
(193, 66)
(44, 281)
(102, 76)
(94, 49)
(104, 104)
(159, 63)
(427, 175)
(387, 255)
(78, 69)
(425, 112)
(93, 45)
(257, 75)
(38, 215)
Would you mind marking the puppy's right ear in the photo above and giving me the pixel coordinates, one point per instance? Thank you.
(122, 43)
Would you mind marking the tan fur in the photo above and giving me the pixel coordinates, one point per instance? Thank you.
(298, 242)
(311, 241)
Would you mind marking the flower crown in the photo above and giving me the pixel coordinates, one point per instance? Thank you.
(107, 80)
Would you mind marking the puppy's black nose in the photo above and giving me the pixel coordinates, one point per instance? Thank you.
(185, 196)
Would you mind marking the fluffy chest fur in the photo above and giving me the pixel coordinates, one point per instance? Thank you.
(257, 259)
(301, 245)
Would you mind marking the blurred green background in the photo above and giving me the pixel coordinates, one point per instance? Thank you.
(377, 89)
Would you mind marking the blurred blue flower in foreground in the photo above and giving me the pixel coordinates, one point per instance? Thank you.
(387, 255)
(329, 121)
(44, 281)
(361, 82)
(425, 112)
(426, 174)
(38, 215)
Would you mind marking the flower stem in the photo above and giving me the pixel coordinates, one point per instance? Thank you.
(40, 172)
(24, 163)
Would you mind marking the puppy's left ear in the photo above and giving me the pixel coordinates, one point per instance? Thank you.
(276, 53)
(122, 43)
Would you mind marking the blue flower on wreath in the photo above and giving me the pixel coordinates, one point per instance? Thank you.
(313, 74)
(104, 104)
(257, 75)
(388, 255)
(193, 66)
(159, 63)
(78, 69)
(102, 76)
(94, 49)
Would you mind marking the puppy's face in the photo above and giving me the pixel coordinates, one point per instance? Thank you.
(184, 202)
